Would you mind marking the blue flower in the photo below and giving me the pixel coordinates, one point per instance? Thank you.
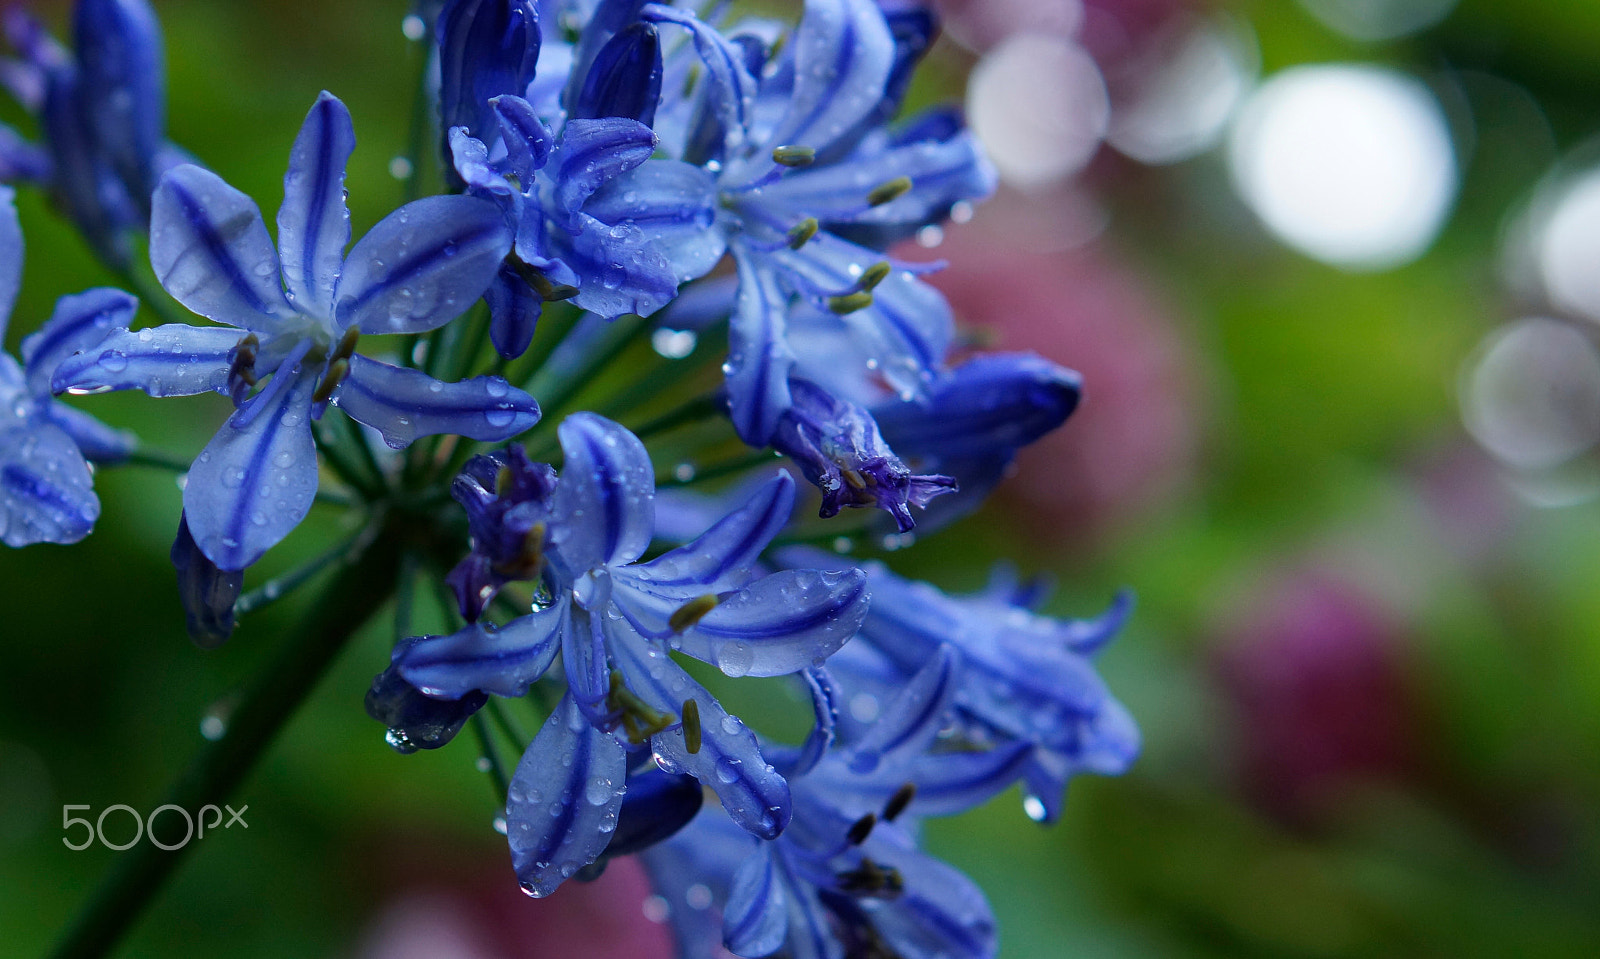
(302, 307)
(802, 162)
(614, 621)
(102, 115)
(486, 48)
(846, 878)
(597, 219)
(1025, 678)
(46, 491)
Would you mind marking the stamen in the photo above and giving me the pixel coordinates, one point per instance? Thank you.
(899, 801)
(337, 371)
(243, 362)
(856, 479)
(890, 190)
(794, 156)
(850, 302)
(502, 482)
(691, 726)
(346, 347)
(876, 273)
(861, 829)
(802, 232)
(639, 719)
(871, 879)
(529, 560)
(692, 612)
(549, 292)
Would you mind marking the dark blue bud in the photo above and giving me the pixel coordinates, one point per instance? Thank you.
(514, 310)
(625, 80)
(838, 447)
(506, 497)
(487, 48)
(989, 406)
(416, 721)
(208, 593)
(656, 806)
(609, 18)
(120, 66)
(83, 179)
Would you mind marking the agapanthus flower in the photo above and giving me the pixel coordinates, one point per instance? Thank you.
(46, 488)
(807, 172)
(1025, 677)
(846, 878)
(614, 621)
(102, 115)
(301, 308)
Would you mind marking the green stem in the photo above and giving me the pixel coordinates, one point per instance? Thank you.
(719, 470)
(497, 772)
(158, 459)
(696, 410)
(360, 590)
(275, 589)
(152, 295)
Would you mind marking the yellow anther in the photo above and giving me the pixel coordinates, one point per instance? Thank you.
(876, 273)
(889, 190)
(502, 481)
(856, 479)
(347, 345)
(337, 370)
(795, 156)
(691, 726)
(529, 560)
(691, 612)
(639, 719)
(801, 233)
(850, 302)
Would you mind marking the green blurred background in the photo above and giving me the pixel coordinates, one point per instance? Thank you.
(1367, 669)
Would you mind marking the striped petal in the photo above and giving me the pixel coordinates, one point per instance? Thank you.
(504, 661)
(210, 250)
(313, 223)
(756, 918)
(604, 496)
(46, 492)
(562, 805)
(171, 360)
(80, 321)
(759, 358)
(404, 404)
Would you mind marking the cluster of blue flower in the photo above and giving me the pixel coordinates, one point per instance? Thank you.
(610, 156)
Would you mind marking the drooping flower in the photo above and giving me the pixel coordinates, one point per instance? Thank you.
(1025, 678)
(846, 878)
(102, 114)
(301, 308)
(614, 621)
(46, 490)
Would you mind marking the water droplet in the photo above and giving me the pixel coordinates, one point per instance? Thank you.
(499, 825)
(698, 896)
(498, 418)
(1035, 808)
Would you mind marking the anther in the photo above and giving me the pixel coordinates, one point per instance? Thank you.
(802, 232)
(549, 292)
(502, 481)
(855, 478)
(850, 302)
(242, 363)
(795, 156)
(530, 556)
(639, 719)
(692, 612)
(347, 344)
(899, 801)
(889, 190)
(691, 726)
(861, 829)
(337, 371)
(875, 274)
(871, 879)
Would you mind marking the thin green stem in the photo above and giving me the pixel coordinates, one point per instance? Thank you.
(497, 772)
(697, 410)
(279, 587)
(358, 439)
(720, 470)
(360, 590)
(518, 738)
(151, 294)
(157, 459)
(333, 457)
(568, 384)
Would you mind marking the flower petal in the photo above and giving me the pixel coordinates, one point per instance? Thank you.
(729, 760)
(759, 358)
(731, 86)
(592, 152)
(674, 204)
(46, 492)
(583, 656)
(910, 723)
(562, 805)
(504, 661)
(843, 56)
(255, 480)
(721, 556)
(171, 360)
(404, 404)
(625, 78)
(120, 63)
(313, 223)
(210, 250)
(780, 623)
(603, 504)
(486, 48)
(528, 141)
(422, 265)
(756, 918)
(80, 321)
(10, 255)
(514, 310)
